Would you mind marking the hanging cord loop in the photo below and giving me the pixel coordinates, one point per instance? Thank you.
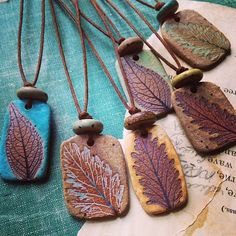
(82, 114)
(25, 82)
(132, 109)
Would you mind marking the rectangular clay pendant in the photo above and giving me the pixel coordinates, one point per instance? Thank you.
(24, 141)
(155, 171)
(94, 177)
(206, 115)
(194, 39)
(148, 81)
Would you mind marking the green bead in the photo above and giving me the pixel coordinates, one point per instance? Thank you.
(87, 126)
(168, 9)
(132, 45)
(32, 93)
(188, 77)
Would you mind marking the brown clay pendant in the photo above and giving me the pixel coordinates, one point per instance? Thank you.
(206, 115)
(192, 37)
(153, 163)
(93, 166)
(94, 173)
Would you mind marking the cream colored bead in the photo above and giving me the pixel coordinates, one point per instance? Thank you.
(87, 126)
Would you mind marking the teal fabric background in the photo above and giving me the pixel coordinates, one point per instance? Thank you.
(39, 209)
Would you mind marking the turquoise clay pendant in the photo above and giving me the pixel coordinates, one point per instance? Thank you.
(25, 137)
(192, 37)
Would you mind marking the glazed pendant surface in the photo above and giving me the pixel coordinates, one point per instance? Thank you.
(194, 39)
(206, 115)
(155, 171)
(25, 141)
(94, 177)
(148, 81)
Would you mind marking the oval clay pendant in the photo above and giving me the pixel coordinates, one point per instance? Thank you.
(194, 39)
(155, 171)
(94, 177)
(24, 141)
(206, 115)
(148, 81)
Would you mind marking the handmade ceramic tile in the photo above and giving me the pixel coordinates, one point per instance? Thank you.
(206, 115)
(155, 171)
(94, 177)
(25, 141)
(195, 40)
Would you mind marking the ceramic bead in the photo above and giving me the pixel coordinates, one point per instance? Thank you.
(188, 77)
(140, 119)
(169, 8)
(87, 126)
(132, 45)
(32, 93)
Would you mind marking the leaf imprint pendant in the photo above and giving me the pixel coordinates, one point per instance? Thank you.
(206, 115)
(155, 171)
(94, 174)
(192, 37)
(148, 81)
(25, 137)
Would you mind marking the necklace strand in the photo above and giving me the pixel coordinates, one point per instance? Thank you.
(25, 81)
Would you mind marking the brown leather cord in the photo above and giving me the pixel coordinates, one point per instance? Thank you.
(84, 55)
(154, 32)
(158, 55)
(68, 11)
(113, 26)
(157, 6)
(25, 81)
(132, 108)
(102, 64)
(82, 114)
(146, 4)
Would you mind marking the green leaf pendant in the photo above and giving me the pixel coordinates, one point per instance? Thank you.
(194, 39)
(148, 81)
(206, 115)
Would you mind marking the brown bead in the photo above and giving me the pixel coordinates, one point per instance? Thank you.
(139, 120)
(129, 46)
(32, 93)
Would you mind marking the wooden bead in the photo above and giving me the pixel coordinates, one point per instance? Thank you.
(32, 93)
(188, 77)
(168, 9)
(85, 126)
(140, 119)
(132, 45)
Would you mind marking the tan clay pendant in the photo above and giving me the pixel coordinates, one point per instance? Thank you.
(206, 115)
(192, 37)
(94, 175)
(154, 166)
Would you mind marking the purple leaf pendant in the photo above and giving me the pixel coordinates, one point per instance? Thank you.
(155, 171)
(24, 142)
(148, 81)
(207, 116)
